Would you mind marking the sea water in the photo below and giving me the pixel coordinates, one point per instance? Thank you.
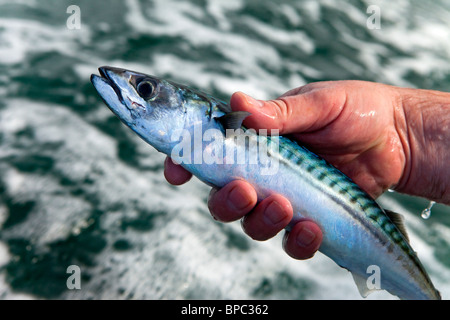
(79, 192)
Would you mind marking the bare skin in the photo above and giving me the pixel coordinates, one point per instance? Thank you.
(379, 135)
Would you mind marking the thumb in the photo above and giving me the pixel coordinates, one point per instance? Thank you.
(297, 113)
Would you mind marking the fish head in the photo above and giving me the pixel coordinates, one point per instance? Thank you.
(151, 107)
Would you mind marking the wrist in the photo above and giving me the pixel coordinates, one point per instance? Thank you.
(423, 124)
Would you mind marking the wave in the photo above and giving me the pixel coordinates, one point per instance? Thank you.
(76, 187)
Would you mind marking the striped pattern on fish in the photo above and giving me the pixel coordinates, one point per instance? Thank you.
(357, 233)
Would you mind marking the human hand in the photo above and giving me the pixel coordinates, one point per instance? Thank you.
(351, 124)
(357, 126)
(261, 221)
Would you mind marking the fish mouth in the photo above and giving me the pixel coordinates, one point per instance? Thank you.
(106, 77)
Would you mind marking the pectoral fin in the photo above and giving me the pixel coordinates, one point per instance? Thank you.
(233, 120)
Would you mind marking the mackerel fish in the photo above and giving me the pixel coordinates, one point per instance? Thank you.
(205, 136)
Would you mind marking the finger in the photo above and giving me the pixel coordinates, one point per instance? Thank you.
(303, 240)
(174, 173)
(268, 218)
(233, 201)
(303, 112)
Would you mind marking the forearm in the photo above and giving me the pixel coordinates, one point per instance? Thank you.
(424, 127)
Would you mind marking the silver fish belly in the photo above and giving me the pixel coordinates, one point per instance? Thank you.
(357, 233)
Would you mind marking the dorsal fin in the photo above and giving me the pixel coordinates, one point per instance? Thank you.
(398, 220)
(233, 120)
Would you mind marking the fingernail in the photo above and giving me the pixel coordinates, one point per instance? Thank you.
(211, 194)
(305, 237)
(237, 199)
(274, 213)
(254, 102)
(262, 107)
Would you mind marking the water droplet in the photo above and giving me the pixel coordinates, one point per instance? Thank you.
(426, 213)
(390, 190)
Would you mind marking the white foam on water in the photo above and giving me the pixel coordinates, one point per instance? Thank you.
(312, 8)
(297, 39)
(21, 37)
(218, 9)
(7, 294)
(186, 254)
(420, 35)
(243, 54)
(4, 254)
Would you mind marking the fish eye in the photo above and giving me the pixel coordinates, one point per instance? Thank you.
(146, 89)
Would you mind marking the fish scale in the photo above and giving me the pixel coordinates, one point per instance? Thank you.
(301, 160)
(357, 233)
(322, 171)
